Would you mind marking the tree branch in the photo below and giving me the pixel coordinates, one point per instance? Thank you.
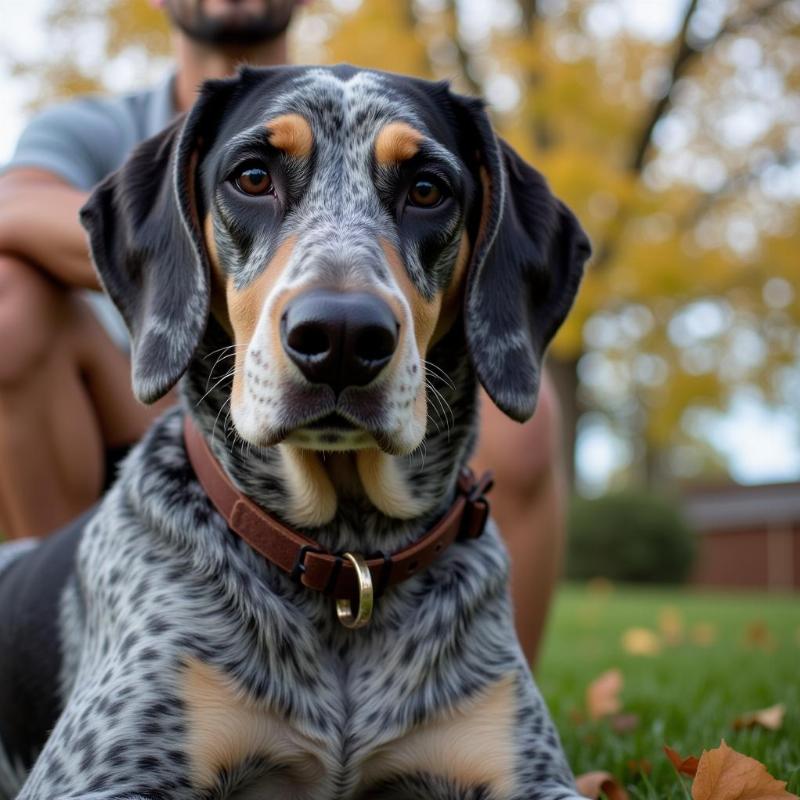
(683, 56)
(530, 14)
(736, 182)
(687, 51)
(737, 24)
(411, 14)
(463, 56)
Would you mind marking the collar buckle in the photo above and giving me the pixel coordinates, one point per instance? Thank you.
(299, 568)
(477, 508)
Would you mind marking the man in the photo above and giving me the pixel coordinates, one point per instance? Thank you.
(66, 406)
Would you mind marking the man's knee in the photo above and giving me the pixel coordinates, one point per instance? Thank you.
(32, 313)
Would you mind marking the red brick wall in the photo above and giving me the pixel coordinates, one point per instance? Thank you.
(731, 559)
(741, 559)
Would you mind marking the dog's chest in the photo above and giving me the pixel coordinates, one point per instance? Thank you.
(365, 743)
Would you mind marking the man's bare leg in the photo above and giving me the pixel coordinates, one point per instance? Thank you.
(64, 397)
(528, 503)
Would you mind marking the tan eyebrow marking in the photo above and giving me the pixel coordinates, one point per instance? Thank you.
(292, 134)
(396, 142)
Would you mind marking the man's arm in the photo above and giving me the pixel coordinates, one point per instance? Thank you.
(62, 153)
(39, 223)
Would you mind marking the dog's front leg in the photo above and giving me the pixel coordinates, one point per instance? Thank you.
(541, 771)
(501, 746)
(114, 740)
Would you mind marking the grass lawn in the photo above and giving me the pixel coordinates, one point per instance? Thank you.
(735, 653)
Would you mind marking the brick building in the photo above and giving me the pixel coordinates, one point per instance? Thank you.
(748, 536)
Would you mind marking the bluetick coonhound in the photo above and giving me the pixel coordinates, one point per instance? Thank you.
(332, 259)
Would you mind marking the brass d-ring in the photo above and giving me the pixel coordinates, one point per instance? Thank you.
(366, 596)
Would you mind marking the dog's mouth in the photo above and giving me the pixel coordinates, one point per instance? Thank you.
(346, 428)
(314, 418)
(332, 422)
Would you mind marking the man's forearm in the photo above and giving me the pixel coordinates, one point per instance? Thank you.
(39, 223)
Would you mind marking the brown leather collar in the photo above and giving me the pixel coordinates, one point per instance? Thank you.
(305, 559)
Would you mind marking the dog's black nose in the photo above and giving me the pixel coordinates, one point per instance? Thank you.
(339, 338)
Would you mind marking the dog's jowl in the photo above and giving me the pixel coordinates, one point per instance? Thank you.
(292, 590)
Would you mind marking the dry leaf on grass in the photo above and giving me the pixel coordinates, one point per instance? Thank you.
(641, 642)
(724, 774)
(685, 766)
(757, 635)
(770, 718)
(670, 623)
(593, 784)
(704, 634)
(602, 694)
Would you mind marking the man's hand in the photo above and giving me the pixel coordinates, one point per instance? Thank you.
(39, 224)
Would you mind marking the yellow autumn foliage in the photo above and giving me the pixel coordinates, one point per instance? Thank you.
(696, 217)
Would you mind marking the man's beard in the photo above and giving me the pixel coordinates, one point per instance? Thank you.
(240, 29)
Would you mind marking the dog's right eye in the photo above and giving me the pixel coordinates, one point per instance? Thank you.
(253, 180)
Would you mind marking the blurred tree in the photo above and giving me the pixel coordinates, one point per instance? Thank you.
(679, 147)
(672, 129)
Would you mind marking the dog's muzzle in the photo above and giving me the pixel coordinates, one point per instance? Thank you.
(339, 339)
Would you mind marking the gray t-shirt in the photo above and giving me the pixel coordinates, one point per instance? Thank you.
(84, 140)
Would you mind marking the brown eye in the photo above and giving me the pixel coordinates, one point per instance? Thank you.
(425, 193)
(253, 181)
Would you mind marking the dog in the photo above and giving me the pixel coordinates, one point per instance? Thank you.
(332, 259)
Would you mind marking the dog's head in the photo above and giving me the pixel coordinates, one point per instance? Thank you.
(337, 223)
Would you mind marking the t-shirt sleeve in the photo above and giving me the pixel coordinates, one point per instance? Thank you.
(80, 141)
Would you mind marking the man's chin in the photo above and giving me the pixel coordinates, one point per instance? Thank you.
(228, 24)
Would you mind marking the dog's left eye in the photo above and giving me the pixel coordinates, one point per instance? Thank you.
(427, 192)
(253, 180)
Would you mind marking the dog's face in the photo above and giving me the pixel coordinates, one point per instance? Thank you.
(337, 222)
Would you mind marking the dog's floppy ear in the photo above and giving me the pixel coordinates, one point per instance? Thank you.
(145, 238)
(527, 262)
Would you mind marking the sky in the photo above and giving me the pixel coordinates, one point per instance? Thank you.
(761, 445)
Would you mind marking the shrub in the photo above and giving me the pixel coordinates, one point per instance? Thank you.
(629, 536)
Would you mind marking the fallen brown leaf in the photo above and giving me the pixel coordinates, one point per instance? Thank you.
(704, 634)
(758, 635)
(670, 623)
(770, 718)
(593, 784)
(602, 694)
(724, 774)
(641, 642)
(685, 766)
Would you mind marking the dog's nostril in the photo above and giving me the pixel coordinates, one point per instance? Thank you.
(309, 340)
(340, 339)
(375, 343)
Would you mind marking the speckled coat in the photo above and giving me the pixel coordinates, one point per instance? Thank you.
(181, 664)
